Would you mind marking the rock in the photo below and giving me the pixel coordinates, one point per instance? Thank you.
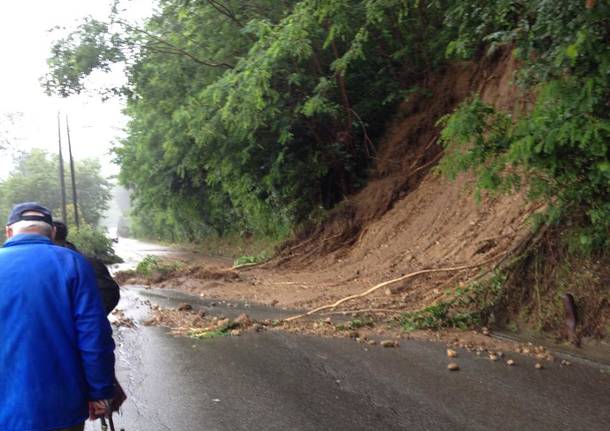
(328, 320)
(510, 362)
(235, 333)
(371, 342)
(493, 357)
(453, 366)
(389, 343)
(565, 363)
(222, 322)
(354, 334)
(243, 320)
(257, 327)
(388, 292)
(538, 366)
(274, 302)
(451, 353)
(485, 331)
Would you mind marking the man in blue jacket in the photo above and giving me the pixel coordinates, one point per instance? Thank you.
(56, 347)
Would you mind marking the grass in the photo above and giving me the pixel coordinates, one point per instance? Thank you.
(221, 331)
(206, 335)
(356, 324)
(247, 259)
(151, 265)
(466, 307)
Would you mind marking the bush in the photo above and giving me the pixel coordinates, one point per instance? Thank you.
(152, 265)
(94, 243)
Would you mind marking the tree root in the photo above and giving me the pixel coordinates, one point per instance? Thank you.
(387, 283)
(363, 310)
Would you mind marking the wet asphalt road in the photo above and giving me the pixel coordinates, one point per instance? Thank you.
(277, 381)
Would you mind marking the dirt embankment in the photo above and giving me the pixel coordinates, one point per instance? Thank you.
(406, 219)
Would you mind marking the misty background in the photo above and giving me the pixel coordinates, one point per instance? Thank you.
(28, 117)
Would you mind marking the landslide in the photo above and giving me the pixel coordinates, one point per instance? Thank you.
(408, 218)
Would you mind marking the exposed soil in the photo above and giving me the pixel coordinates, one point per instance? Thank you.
(406, 219)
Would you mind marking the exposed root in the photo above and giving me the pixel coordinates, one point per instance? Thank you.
(384, 284)
(363, 310)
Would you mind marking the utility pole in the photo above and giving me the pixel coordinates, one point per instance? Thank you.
(73, 176)
(62, 179)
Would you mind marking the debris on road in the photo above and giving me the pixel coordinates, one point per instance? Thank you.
(389, 343)
(453, 366)
(451, 353)
(120, 320)
(185, 307)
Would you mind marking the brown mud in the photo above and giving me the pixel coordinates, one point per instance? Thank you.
(406, 219)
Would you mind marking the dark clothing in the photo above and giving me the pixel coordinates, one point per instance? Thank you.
(79, 427)
(109, 289)
(56, 352)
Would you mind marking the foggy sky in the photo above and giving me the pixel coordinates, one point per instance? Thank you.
(24, 46)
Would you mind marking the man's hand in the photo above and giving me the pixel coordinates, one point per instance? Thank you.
(99, 409)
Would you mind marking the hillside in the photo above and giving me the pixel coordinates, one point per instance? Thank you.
(408, 218)
(465, 139)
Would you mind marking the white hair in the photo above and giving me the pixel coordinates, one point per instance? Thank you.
(32, 226)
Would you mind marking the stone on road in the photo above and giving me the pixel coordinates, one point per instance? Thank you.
(278, 381)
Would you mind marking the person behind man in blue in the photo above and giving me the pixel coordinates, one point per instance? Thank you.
(56, 347)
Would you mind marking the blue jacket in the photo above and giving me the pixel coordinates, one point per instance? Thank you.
(56, 348)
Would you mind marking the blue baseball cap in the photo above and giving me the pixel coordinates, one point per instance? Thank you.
(18, 210)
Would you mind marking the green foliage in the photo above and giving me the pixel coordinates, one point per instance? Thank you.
(35, 178)
(206, 335)
(74, 57)
(559, 149)
(467, 306)
(244, 260)
(93, 242)
(154, 265)
(259, 123)
(437, 317)
(356, 324)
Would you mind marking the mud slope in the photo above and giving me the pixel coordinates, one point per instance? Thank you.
(407, 217)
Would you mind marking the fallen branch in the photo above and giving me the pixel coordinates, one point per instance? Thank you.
(247, 265)
(384, 284)
(364, 310)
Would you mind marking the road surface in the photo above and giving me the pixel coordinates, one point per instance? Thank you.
(276, 381)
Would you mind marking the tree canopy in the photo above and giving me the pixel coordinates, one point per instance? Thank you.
(259, 115)
(35, 178)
